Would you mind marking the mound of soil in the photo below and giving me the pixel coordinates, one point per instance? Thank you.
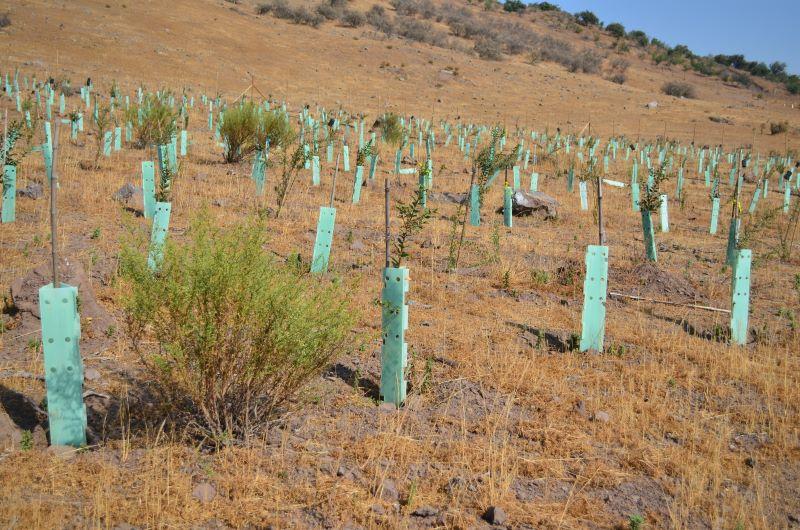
(648, 280)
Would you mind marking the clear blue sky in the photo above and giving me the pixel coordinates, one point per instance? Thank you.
(761, 30)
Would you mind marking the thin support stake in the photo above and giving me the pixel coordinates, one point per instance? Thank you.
(54, 210)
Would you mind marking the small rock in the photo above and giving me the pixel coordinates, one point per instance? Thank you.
(388, 491)
(601, 416)
(31, 191)
(425, 511)
(10, 435)
(127, 193)
(220, 203)
(204, 492)
(495, 515)
(651, 105)
(64, 452)
(91, 374)
(357, 245)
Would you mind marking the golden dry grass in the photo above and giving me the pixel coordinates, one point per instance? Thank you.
(500, 414)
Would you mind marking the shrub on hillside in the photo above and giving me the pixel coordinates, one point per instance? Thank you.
(154, 121)
(778, 127)
(419, 31)
(615, 29)
(587, 18)
(678, 89)
(488, 49)
(586, 61)
(327, 11)
(227, 333)
(639, 37)
(5, 20)
(298, 15)
(514, 6)
(352, 19)
(378, 18)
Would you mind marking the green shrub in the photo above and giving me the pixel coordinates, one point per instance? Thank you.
(587, 18)
(778, 127)
(616, 29)
(158, 121)
(245, 129)
(227, 333)
(678, 89)
(514, 6)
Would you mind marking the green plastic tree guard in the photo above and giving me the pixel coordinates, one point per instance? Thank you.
(664, 213)
(754, 201)
(740, 297)
(787, 198)
(649, 236)
(184, 142)
(148, 189)
(570, 180)
(357, 183)
(394, 323)
(259, 172)
(324, 240)
(534, 181)
(593, 321)
(714, 215)
(329, 153)
(61, 333)
(398, 157)
(107, 143)
(679, 189)
(474, 206)
(158, 235)
(346, 158)
(9, 211)
(507, 208)
(584, 195)
(733, 237)
(373, 164)
(516, 178)
(117, 138)
(315, 170)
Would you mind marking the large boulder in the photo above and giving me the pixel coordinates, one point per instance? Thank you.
(525, 203)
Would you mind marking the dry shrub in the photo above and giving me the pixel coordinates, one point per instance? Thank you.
(489, 50)
(678, 89)
(298, 15)
(378, 18)
(352, 19)
(227, 333)
(778, 127)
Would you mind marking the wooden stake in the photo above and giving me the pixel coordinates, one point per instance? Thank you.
(386, 216)
(335, 173)
(54, 207)
(667, 302)
(600, 230)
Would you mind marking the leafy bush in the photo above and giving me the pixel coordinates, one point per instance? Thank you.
(545, 6)
(586, 61)
(489, 50)
(639, 37)
(678, 89)
(778, 127)
(587, 18)
(352, 19)
(378, 18)
(327, 11)
(615, 29)
(154, 121)
(514, 6)
(246, 129)
(227, 333)
(419, 31)
(298, 15)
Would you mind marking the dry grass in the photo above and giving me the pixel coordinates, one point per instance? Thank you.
(500, 414)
